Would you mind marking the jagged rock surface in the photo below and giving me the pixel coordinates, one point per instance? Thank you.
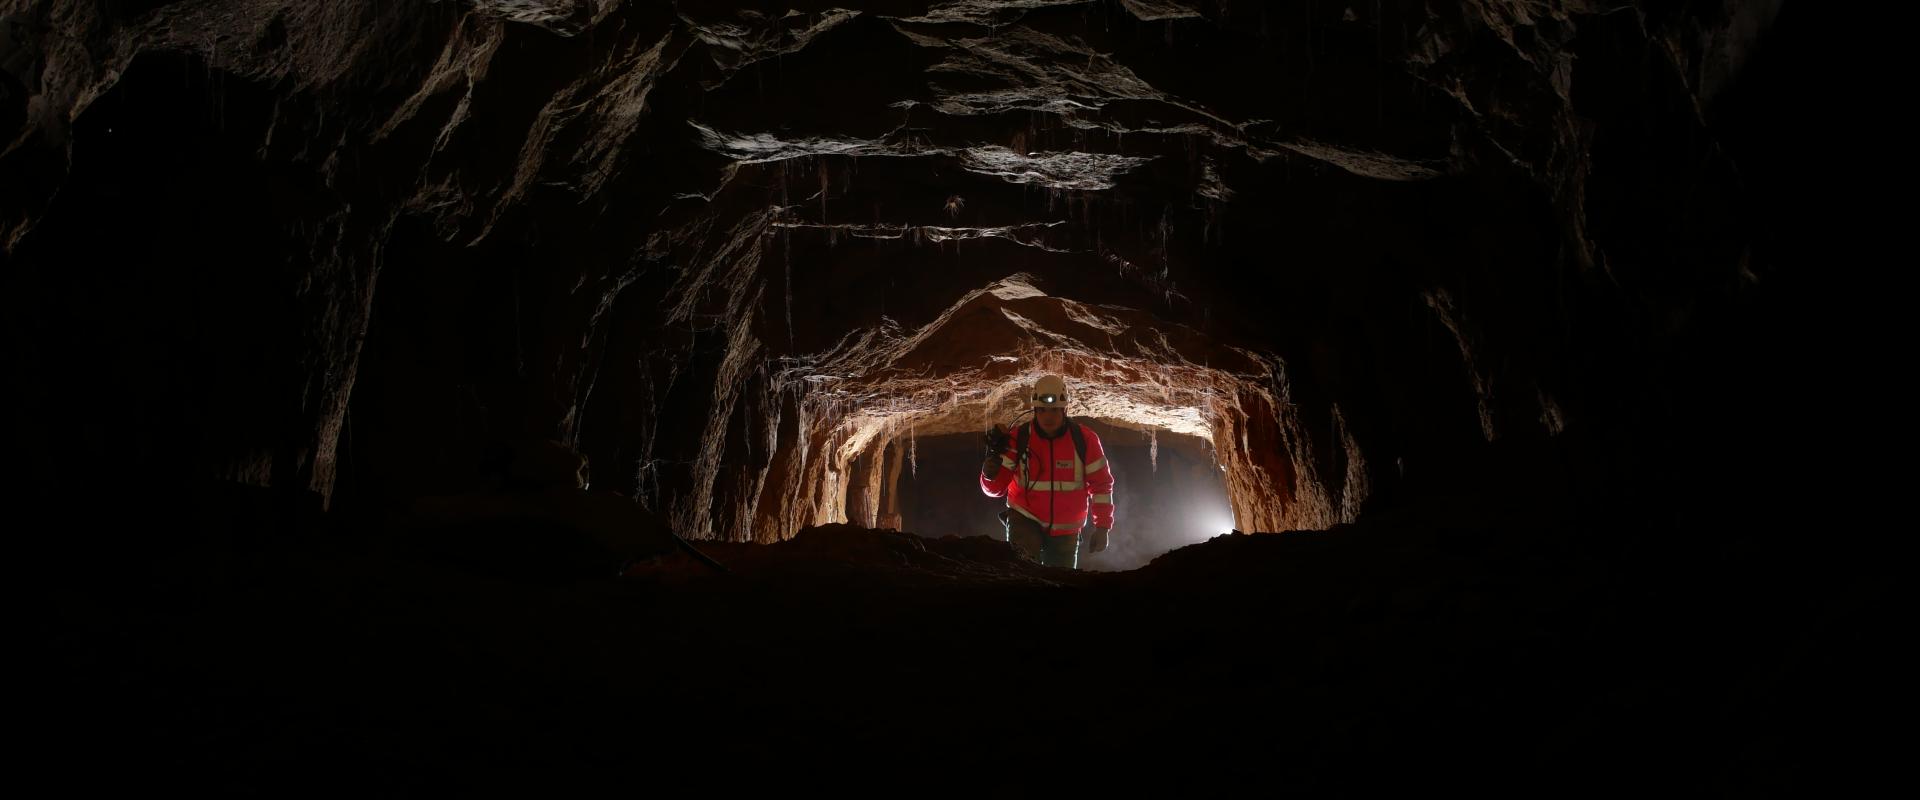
(678, 219)
(1526, 303)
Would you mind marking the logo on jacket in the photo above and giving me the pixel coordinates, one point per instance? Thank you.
(1063, 465)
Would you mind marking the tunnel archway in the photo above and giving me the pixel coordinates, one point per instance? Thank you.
(875, 392)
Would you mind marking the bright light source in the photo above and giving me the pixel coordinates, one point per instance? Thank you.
(1214, 523)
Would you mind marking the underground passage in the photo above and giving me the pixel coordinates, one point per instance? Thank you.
(985, 396)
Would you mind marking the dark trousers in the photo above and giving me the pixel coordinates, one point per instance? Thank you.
(1031, 541)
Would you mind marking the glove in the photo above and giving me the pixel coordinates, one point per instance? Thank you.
(1098, 541)
(996, 441)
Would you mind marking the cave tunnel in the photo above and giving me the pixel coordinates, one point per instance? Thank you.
(1174, 493)
(439, 396)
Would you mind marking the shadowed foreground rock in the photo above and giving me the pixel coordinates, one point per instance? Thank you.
(1390, 655)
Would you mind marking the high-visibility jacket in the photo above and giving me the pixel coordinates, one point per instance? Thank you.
(1053, 486)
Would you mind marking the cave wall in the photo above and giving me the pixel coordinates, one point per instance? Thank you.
(1471, 247)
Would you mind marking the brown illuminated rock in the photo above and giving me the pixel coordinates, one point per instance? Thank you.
(734, 255)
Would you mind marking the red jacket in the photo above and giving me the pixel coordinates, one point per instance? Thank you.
(1057, 489)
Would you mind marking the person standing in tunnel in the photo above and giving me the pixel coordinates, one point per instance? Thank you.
(1054, 474)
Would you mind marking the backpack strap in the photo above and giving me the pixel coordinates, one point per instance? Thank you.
(1020, 456)
(1079, 439)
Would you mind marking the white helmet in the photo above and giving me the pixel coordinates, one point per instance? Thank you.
(1050, 392)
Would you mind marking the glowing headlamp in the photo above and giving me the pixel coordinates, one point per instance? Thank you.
(1048, 399)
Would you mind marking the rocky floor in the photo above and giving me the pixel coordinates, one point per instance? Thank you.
(1384, 656)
